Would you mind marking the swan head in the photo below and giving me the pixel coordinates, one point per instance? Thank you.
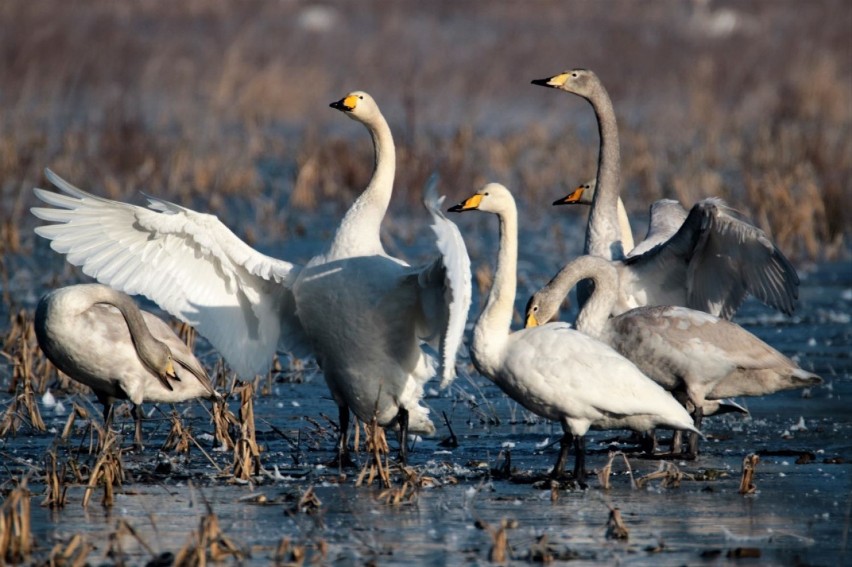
(541, 308)
(581, 82)
(492, 198)
(157, 357)
(357, 105)
(582, 195)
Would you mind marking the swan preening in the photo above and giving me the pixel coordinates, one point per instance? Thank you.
(552, 370)
(706, 357)
(100, 338)
(362, 313)
(710, 262)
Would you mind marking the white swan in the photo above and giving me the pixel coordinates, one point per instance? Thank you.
(100, 338)
(362, 313)
(712, 267)
(679, 348)
(552, 370)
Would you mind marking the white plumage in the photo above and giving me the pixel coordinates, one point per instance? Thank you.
(554, 371)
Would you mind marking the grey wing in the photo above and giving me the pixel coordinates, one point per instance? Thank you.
(666, 217)
(733, 255)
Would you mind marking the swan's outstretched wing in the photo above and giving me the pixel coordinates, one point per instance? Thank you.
(733, 250)
(189, 263)
(445, 288)
(719, 259)
(666, 216)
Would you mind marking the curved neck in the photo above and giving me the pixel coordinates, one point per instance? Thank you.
(595, 312)
(494, 323)
(359, 231)
(602, 231)
(143, 340)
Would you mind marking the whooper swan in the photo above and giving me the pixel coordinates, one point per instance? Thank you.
(362, 313)
(100, 338)
(711, 267)
(679, 348)
(552, 370)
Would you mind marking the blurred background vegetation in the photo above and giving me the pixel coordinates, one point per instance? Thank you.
(214, 102)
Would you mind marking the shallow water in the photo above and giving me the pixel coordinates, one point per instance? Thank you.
(799, 514)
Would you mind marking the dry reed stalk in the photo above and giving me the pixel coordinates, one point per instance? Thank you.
(179, 437)
(16, 540)
(615, 526)
(77, 411)
(747, 485)
(246, 450)
(669, 473)
(289, 555)
(72, 554)
(223, 420)
(55, 483)
(107, 470)
(606, 471)
(24, 403)
(208, 541)
(377, 447)
(187, 334)
(404, 494)
(500, 551)
(308, 503)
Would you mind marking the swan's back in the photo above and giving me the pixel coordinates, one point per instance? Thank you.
(560, 373)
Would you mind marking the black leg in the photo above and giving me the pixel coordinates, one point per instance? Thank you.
(402, 420)
(677, 442)
(564, 446)
(580, 459)
(136, 412)
(698, 415)
(343, 460)
(649, 442)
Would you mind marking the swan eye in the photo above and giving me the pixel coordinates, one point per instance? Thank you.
(574, 75)
(486, 194)
(361, 97)
(535, 308)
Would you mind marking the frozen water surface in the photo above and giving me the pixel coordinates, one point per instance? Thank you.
(799, 514)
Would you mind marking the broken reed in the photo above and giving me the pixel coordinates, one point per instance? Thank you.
(55, 487)
(377, 464)
(246, 451)
(107, 470)
(16, 540)
(747, 485)
(208, 542)
(24, 406)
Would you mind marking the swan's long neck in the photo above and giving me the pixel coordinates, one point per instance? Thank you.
(602, 232)
(494, 323)
(627, 243)
(594, 315)
(359, 231)
(144, 342)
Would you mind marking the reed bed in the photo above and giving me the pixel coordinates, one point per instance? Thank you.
(229, 114)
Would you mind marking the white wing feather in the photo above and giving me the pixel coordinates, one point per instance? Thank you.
(189, 263)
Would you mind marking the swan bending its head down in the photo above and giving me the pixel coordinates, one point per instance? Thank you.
(100, 338)
(554, 371)
(679, 348)
(362, 313)
(710, 267)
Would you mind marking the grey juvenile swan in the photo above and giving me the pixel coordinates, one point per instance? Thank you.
(100, 338)
(554, 371)
(679, 348)
(710, 266)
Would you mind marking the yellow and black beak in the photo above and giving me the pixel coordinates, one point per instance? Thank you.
(571, 199)
(170, 371)
(470, 204)
(346, 104)
(531, 321)
(554, 82)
